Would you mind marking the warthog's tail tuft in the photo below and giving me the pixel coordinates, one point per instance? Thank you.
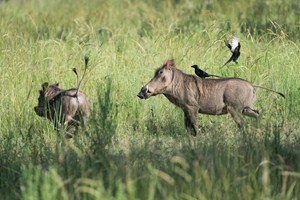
(258, 86)
(75, 71)
(86, 60)
(281, 94)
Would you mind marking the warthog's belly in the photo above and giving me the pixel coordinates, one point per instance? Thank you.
(214, 111)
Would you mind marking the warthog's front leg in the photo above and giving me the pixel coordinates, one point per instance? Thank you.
(191, 122)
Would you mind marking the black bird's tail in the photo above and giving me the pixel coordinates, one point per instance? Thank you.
(212, 75)
(230, 59)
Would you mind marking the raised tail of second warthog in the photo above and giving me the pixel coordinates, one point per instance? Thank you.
(86, 60)
(258, 86)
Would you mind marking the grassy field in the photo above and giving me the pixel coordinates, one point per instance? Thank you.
(136, 149)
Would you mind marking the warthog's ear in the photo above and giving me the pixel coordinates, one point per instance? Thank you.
(45, 85)
(170, 64)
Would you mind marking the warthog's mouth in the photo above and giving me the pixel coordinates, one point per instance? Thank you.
(142, 95)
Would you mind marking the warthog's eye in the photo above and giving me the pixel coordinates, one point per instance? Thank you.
(158, 72)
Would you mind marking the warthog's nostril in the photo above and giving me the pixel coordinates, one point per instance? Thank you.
(147, 89)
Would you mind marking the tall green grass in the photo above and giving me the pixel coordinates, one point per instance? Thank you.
(134, 149)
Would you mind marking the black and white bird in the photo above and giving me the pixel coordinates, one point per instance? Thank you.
(202, 74)
(234, 48)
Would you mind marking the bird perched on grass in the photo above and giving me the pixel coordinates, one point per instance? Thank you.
(202, 74)
(234, 48)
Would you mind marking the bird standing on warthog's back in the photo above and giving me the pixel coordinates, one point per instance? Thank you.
(202, 74)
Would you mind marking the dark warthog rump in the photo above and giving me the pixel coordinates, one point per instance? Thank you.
(197, 95)
(68, 107)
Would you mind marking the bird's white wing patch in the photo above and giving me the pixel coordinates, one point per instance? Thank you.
(234, 43)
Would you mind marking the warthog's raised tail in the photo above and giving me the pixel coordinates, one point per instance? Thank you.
(86, 60)
(258, 86)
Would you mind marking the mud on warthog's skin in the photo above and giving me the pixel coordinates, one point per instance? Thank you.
(197, 95)
(68, 107)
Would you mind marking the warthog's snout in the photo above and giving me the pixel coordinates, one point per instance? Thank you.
(143, 94)
(39, 111)
(140, 95)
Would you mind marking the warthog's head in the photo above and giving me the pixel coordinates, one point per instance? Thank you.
(159, 83)
(47, 94)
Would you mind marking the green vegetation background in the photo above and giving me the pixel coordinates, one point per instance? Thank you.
(134, 149)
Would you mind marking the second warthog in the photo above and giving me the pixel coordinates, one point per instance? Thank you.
(66, 107)
(208, 96)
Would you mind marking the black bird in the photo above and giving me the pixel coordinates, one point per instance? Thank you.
(234, 48)
(202, 74)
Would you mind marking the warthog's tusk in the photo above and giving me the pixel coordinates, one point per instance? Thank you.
(147, 87)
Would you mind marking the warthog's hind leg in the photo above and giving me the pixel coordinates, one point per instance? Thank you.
(250, 112)
(71, 126)
(237, 117)
(70, 121)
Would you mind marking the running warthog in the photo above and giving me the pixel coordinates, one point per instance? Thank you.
(68, 107)
(197, 95)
